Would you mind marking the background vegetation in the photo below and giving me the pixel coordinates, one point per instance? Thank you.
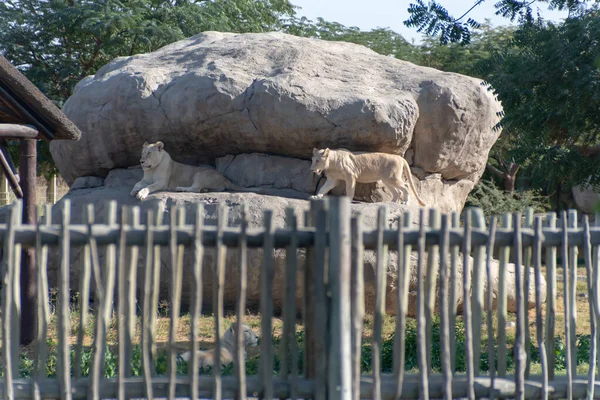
(547, 75)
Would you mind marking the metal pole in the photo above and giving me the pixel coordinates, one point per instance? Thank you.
(27, 171)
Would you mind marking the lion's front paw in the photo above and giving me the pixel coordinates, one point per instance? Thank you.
(316, 197)
(142, 194)
(133, 192)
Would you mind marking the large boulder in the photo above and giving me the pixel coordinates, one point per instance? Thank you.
(118, 183)
(218, 94)
(586, 198)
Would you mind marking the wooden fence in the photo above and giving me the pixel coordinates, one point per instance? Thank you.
(334, 305)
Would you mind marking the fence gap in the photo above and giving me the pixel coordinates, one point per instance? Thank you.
(358, 301)
(63, 325)
(454, 292)
(147, 359)
(105, 300)
(572, 224)
(421, 324)
(290, 345)
(537, 264)
(217, 298)
(592, 304)
(527, 250)
(502, 300)
(477, 290)
(196, 299)
(266, 308)
(84, 297)
(43, 305)
(124, 363)
(176, 257)
(567, 304)
(131, 290)
(596, 284)
(467, 305)
(550, 222)
(380, 290)
(490, 299)
(404, 252)
(430, 284)
(445, 309)
(520, 353)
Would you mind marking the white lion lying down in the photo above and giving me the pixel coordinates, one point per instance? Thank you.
(342, 165)
(162, 173)
(207, 357)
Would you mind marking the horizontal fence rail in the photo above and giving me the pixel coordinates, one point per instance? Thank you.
(305, 236)
(416, 306)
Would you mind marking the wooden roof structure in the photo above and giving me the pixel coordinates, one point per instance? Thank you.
(25, 113)
(28, 116)
(21, 102)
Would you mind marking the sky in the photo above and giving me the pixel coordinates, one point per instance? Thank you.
(371, 14)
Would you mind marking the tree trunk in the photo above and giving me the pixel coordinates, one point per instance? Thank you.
(508, 182)
(509, 177)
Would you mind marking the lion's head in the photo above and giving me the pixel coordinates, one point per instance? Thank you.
(320, 160)
(152, 155)
(250, 338)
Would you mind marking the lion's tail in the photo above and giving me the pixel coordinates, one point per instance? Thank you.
(412, 186)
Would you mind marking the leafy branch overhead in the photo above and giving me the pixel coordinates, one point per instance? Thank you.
(433, 19)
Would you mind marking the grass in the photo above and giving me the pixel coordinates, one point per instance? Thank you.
(207, 328)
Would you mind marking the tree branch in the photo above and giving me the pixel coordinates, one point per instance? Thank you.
(478, 2)
(494, 171)
(513, 169)
(589, 150)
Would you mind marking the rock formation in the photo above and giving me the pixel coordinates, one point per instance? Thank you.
(219, 94)
(255, 106)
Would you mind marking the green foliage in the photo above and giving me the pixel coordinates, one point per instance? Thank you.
(494, 201)
(551, 111)
(464, 59)
(382, 40)
(583, 345)
(434, 19)
(57, 43)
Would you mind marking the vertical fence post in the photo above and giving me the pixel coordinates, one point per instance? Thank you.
(339, 353)
(358, 301)
(315, 313)
(477, 289)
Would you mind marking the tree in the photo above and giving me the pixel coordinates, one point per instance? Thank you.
(463, 58)
(57, 43)
(466, 59)
(434, 20)
(548, 80)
